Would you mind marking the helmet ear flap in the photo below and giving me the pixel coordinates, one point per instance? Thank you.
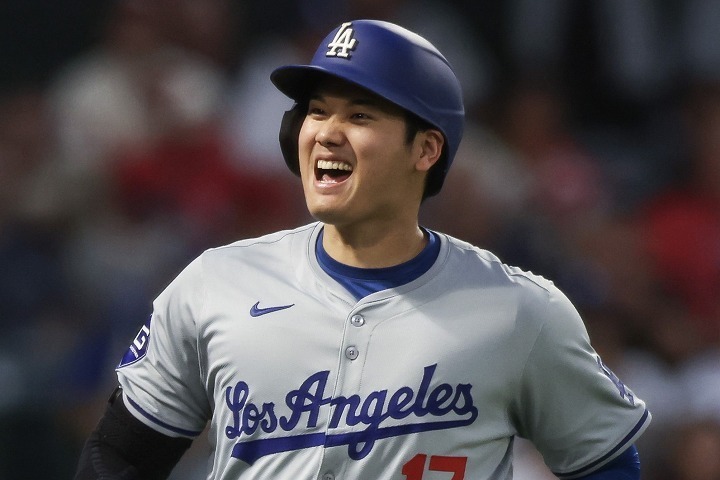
(289, 131)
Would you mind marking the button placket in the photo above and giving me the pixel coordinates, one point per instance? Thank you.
(352, 352)
(357, 320)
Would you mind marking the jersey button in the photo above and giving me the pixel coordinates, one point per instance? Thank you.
(357, 321)
(328, 476)
(351, 353)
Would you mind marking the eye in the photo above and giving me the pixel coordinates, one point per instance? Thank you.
(314, 110)
(361, 116)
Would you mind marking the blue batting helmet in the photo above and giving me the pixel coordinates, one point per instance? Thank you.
(390, 61)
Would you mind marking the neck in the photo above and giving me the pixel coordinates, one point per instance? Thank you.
(373, 247)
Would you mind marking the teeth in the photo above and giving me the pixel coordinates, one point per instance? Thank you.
(328, 165)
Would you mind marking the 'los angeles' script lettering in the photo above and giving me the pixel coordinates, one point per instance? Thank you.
(423, 409)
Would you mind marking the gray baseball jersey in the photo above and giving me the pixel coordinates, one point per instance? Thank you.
(430, 380)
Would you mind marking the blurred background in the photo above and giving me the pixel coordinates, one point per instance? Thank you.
(136, 133)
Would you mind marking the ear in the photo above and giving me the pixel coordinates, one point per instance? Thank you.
(430, 145)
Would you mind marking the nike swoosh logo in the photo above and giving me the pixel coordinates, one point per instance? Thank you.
(256, 311)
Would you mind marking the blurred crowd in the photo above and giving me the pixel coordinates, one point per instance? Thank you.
(136, 133)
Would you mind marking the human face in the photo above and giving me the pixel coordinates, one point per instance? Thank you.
(355, 163)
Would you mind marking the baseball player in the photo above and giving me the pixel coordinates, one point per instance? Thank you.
(364, 346)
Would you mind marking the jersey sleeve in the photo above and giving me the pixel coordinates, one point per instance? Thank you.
(160, 374)
(575, 410)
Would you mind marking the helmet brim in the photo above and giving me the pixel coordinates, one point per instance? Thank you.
(298, 81)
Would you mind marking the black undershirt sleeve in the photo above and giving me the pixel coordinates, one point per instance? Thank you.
(123, 448)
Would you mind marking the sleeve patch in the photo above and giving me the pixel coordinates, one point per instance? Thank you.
(138, 347)
(625, 393)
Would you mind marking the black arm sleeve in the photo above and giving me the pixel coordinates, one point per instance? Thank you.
(123, 448)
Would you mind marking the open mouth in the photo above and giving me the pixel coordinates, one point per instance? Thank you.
(330, 171)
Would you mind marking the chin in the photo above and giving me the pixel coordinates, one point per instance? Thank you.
(327, 216)
(322, 209)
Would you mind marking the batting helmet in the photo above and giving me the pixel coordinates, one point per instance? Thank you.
(390, 61)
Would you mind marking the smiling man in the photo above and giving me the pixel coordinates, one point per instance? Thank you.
(365, 346)
(362, 177)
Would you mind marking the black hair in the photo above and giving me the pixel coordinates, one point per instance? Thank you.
(413, 125)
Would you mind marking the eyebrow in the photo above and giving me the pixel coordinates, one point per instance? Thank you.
(360, 101)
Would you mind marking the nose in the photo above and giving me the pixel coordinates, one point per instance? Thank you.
(330, 132)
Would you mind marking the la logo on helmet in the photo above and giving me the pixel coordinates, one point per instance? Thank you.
(342, 43)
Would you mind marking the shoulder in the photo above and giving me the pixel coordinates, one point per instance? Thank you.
(277, 246)
(531, 301)
(484, 266)
(271, 240)
(274, 251)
